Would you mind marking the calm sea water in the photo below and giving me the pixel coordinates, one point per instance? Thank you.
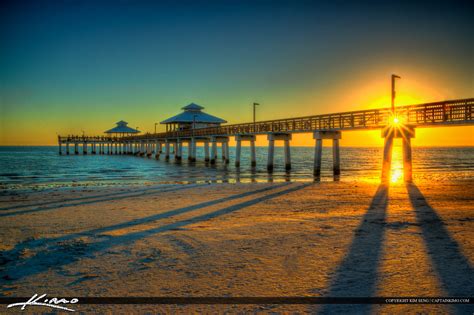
(33, 167)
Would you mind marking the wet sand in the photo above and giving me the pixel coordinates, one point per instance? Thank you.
(273, 239)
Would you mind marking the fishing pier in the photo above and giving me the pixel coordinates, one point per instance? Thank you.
(400, 122)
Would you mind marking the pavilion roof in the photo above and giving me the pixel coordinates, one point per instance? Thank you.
(122, 128)
(193, 113)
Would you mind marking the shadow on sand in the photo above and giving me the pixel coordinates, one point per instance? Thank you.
(454, 270)
(58, 204)
(57, 253)
(357, 274)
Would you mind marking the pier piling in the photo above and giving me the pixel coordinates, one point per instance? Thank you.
(237, 151)
(318, 151)
(179, 150)
(387, 154)
(167, 150)
(336, 161)
(272, 137)
(271, 149)
(287, 155)
(213, 150)
(253, 158)
(206, 151)
(389, 134)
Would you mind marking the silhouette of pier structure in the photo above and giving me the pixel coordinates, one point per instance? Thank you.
(400, 123)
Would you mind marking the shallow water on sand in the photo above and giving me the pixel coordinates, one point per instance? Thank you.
(30, 167)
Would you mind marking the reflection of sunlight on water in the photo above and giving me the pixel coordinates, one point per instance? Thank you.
(397, 165)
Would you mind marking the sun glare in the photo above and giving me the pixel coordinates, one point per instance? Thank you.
(395, 121)
(397, 165)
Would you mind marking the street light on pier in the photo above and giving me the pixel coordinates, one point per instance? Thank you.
(394, 76)
(254, 110)
(155, 126)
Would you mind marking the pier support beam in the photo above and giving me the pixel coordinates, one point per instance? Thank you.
(223, 151)
(192, 150)
(336, 160)
(318, 151)
(179, 150)
(142, 148)
(253, 155)
(59, 147)
(227, 155)
(238, 146)
(405, 133)
(213, 150)
(67, 148)
(84, 148)
(286, 137)
(149, 149)
(387, 155)
(287, 155)
(158, 150)
(76, 148)
(206, 151)
(407, 161)
(93, 148)
(224, 141)
(238, 149)
(167, 150)
(271, 151)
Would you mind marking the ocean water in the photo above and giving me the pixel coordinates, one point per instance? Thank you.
(40, 167)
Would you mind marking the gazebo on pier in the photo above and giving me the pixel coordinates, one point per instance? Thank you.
(122, 129)
(192, 118)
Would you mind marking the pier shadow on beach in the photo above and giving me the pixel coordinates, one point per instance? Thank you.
(58, 252)
(87, 200)
(357, 274)
(455, 273)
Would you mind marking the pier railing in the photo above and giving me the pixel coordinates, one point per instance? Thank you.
(438, 113)
(455, 112)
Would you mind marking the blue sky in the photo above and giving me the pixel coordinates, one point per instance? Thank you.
(73, 65)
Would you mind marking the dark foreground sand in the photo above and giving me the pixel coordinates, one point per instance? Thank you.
(279, 239)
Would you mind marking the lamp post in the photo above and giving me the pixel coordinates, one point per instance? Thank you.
(155, 126)
(254, 110)
(394, 76)
(194, 123)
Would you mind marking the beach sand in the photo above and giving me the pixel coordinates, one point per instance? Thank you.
(257, 239)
